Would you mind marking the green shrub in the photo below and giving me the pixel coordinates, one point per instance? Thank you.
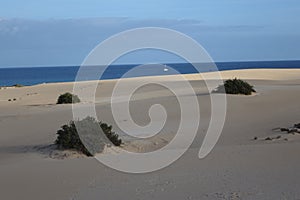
(90, 140)
(112, 136)
(297, 125)
(18, 85)
(67, 98)
(236, 86)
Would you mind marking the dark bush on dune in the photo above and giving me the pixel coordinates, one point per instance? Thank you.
(67, 98)
(90, 141)
(18, 85)
(112, 136)
(68, 138)
(236, 86)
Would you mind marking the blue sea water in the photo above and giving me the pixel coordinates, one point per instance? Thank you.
(38, 75)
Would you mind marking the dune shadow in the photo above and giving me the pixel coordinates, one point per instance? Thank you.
(42, 105)
(45, 150)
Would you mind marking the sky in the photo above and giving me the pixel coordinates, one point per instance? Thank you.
(63, 32)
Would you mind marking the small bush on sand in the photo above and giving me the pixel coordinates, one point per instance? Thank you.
(67, 98)
(90, 140)
(236, 86)
(112, 136)
(18, 85)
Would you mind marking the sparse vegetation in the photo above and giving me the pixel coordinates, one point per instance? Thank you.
(236, 86)
(18, 85)
(112, 136)
(90, 140)
(293, 130)
(68, 98)
(297, 125)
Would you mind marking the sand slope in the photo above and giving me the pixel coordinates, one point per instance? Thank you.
(238, 167)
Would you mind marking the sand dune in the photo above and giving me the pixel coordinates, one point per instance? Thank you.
(239, 167)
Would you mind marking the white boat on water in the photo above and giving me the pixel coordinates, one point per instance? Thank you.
(166, 69)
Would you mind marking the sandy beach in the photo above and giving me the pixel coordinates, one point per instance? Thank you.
(239, 167)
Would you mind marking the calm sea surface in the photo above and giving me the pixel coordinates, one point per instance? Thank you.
(37, 75)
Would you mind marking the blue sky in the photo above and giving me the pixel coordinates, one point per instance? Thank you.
(63, 32)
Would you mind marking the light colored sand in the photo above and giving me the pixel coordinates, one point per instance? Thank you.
(255, 74)
(238, 167)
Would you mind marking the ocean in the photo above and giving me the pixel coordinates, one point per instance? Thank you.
(38, 75)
